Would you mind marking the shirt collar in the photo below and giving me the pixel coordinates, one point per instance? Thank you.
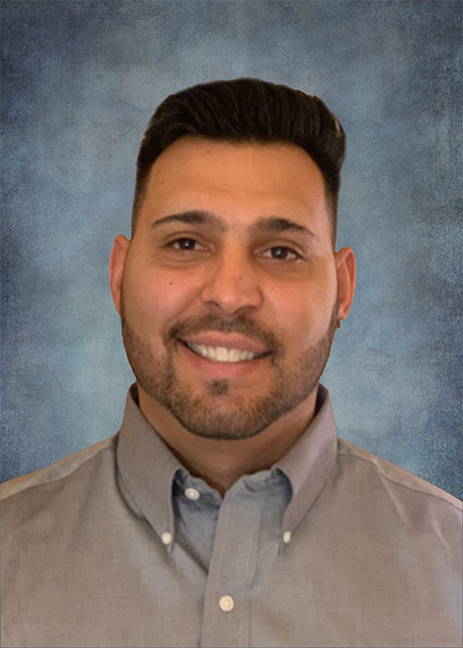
(310, 462)
(148, 469)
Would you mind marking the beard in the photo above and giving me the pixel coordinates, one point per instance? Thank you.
(220, 413)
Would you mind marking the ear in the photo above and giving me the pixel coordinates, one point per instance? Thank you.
(116, 268)
(345, 268)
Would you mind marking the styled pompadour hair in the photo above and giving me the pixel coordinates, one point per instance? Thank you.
(246, 110)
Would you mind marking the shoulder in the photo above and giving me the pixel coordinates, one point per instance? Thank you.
(397, 484)
(61, 472)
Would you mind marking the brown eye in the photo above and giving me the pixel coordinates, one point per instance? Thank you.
(184, 244)
(281, 253)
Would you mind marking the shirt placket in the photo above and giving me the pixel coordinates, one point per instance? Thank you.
(226, 614)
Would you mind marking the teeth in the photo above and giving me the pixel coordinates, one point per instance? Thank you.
(221, 354)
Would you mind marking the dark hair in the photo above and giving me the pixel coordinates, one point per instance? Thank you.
(246, 110)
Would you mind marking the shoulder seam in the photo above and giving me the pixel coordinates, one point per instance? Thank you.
(27, 487)
(398, 483)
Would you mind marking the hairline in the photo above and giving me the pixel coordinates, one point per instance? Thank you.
(142, 188)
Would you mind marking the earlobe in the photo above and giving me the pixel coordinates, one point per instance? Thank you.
(116, 268)
(345, 267)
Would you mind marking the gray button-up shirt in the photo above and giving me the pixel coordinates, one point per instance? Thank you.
(119, 545)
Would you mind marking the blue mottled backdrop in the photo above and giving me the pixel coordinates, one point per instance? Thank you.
(80, 81)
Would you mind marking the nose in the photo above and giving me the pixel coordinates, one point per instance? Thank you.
(231, 285)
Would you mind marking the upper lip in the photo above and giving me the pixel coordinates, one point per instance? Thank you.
(227, 341)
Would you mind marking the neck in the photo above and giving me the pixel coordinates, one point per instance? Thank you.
(222, 462)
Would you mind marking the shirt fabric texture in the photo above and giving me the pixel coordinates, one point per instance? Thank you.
(118, 545)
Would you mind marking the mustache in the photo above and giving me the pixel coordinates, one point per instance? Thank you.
(240, 324)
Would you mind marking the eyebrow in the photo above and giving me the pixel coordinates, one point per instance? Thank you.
(262, 225)
(279, 224)
(194, 217)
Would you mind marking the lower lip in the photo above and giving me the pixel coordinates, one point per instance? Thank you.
(223, 369)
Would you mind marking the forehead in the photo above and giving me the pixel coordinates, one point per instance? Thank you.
(238, 181)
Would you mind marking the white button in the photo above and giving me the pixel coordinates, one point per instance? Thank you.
(166, 538)
(192, 493)
(287, 537)
(226, 603)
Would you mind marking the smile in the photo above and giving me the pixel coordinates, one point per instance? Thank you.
(222, 354)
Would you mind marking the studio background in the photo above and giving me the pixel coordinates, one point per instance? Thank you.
(80, 82)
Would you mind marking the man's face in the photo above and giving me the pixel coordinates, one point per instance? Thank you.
(228, 291)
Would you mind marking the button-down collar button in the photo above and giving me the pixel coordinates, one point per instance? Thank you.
(226, 603)
(192, 493)
(287, 537)
(166, 538)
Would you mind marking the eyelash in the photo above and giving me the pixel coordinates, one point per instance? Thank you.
(172, 244)
(181, 240)
(287, 249)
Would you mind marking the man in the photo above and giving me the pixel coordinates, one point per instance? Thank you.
(225, 512)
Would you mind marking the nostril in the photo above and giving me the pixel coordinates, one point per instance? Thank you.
(231, 292)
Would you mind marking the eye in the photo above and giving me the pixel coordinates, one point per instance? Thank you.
(184, 243)
(281, 253)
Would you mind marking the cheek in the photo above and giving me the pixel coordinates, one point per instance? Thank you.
(302, 314)
(153, 300)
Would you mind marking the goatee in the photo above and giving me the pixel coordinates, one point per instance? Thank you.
(219, 413)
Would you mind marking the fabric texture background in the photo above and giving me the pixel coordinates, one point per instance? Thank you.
(80, 81)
